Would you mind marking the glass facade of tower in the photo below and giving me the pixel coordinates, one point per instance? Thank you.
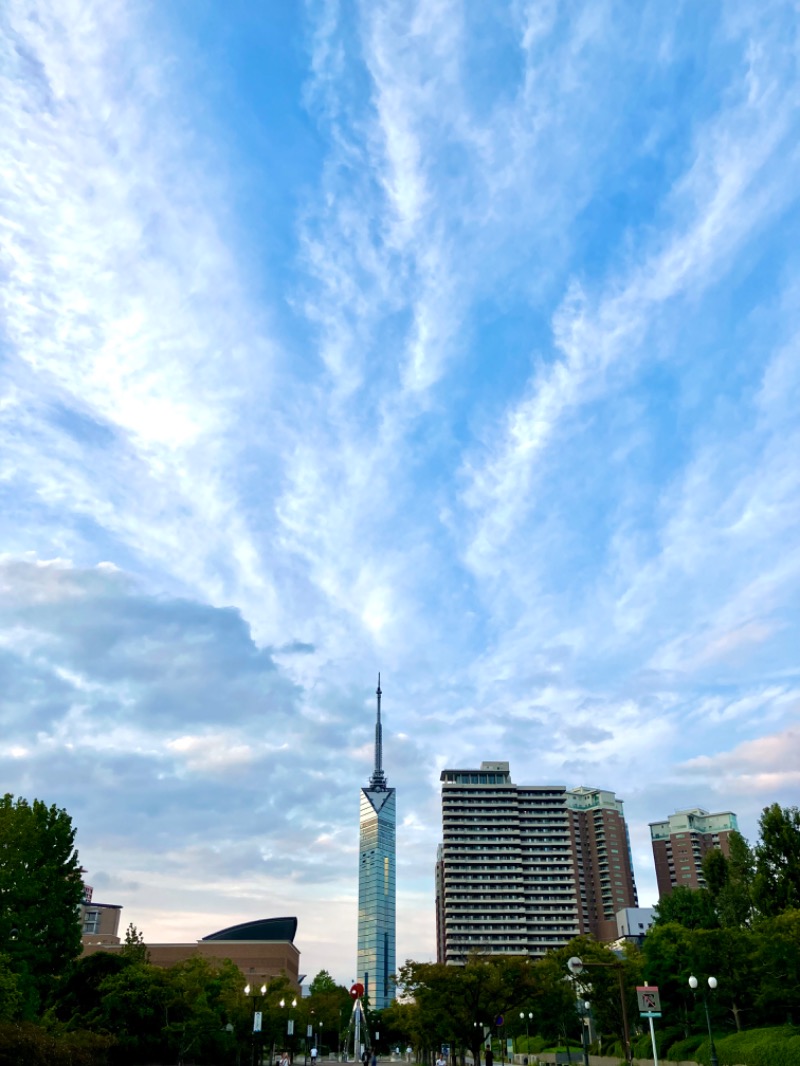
(376, 895)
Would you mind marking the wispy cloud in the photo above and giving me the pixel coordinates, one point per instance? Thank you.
(730, 190)
(130, 334)
(461, 345)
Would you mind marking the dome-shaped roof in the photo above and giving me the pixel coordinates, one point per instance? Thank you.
(261, 929)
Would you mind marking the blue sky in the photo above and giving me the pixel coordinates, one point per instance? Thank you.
(451, 340)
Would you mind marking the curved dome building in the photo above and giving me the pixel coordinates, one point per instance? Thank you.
(262, 949)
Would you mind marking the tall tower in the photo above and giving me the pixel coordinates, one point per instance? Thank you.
(376, 881)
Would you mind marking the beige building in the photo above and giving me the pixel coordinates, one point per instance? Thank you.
(100, 923)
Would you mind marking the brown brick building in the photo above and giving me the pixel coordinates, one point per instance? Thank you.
(680, 842)
(602, 858)
(261, 949)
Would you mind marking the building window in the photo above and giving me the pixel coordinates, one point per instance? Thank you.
(91, 922)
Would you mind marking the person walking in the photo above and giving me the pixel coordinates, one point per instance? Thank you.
(488, 1058)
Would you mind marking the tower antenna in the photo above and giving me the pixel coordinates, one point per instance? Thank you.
(378, 779)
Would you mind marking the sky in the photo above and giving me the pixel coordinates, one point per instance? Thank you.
(452, 340)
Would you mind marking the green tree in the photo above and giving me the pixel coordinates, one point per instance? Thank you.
(455, 1003)
(715, 871)
(78, 996)
(692, 908)
(10, 996)
(40, 892)
(735, 900)
(668, 955)
(133, 1005)
(600, 983)
(134, 947)
(328, 1008)
(323, 982)
(728, 954)
(202, 997)
(778, 961)
(776, 885)
(399, 1024)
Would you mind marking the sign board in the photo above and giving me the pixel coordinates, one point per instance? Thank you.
(649, 999)
(257, 1022)
(650, 1014)
(290, 1027)
(509, 1045)
(309, 1030)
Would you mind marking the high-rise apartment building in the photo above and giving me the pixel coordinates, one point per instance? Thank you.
(680, 842)
(603, 859)
(524, 868)
(376, 881)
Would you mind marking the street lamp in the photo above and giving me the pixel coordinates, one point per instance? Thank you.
(256, 1016)
(575, 967)
(585, 1023)
(481, 1038)
(289, 1027)
(712, 984)
(527, 1019)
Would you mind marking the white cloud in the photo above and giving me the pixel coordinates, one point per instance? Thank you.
(767, 766)
(730, 190)
(130, 331)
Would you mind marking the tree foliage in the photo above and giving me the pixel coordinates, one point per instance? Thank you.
(40, 892)
(691, 908)
(457, 1004)
(776, 885)
(134, 947)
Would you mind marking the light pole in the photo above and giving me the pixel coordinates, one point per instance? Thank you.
(712, 984)
(575, 967)
(289, 1026)
(585, 1022)
(481, 1038)
(527, 1019)
(257, 1016)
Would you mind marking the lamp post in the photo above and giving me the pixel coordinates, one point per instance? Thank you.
(712, 984)
(257, 1015)
(527, 1019)
(575, 967)
(289, 1026)
(481, 1038)
(585, 1022)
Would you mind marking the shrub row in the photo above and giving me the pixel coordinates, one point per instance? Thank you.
(24, 1042)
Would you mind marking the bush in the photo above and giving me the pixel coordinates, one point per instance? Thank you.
(24, 1042)
(776, 1046)
(642, 1045)
(684, 1050)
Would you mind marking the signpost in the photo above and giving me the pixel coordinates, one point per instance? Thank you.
(650, 1007)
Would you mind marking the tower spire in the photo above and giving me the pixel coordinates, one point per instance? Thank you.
(378, 779)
